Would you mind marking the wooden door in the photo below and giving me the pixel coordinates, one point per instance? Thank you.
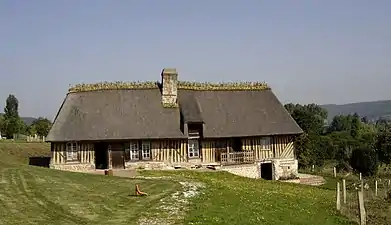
(117, 159)
(117, 155)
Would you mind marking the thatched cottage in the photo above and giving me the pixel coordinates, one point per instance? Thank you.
(173, 123)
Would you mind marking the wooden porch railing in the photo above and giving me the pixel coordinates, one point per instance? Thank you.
(234, 158)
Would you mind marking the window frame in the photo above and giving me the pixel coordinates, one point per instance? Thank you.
(146, 151)
(134, 151)
(72, 152)
(193, 153)
(140, 151)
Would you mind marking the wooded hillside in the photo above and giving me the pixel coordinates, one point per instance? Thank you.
(372, 110)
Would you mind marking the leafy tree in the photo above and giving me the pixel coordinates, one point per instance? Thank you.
(340, 123)
(309, 117)
(12, 120)
(41, 126)
(383, 147)
(383, 125)
(355, 126)
(30, 130)
(365, 161)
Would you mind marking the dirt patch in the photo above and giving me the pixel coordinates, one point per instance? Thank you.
(173, 208)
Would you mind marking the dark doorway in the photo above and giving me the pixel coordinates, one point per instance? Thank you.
(236, 144)
(267, 171)
(101, 157)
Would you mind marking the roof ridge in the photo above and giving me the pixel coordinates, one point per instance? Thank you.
(182, 85)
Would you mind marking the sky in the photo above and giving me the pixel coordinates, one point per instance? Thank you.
(308, 51)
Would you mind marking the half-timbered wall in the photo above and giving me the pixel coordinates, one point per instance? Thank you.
(270, 147)
(210, 150)
(261, 146)
(81, 158)
(283, 146)
(172, 151)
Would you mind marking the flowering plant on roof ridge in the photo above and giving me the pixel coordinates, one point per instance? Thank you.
(185, 85)
(117, 85)
(227, 86)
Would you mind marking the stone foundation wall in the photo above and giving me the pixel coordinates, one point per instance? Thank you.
(282, 169)
(77, 167)
(148, 165)
(248, 170)
(285, 168)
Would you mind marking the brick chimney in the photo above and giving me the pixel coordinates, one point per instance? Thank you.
(169, 87)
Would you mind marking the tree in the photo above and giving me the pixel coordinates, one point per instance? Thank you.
(340, 123)
(2, 124)
(30, 130)
(365, 161)
(383, 147)
(309, 117)
(42, 126)
(12, 121)
(355, 126)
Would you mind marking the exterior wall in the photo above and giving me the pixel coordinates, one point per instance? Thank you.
(260, 151)
(249, 170)
(171, 153)
(85, 161)
(209, 151)
(283, 147)
(285, 168)
(280, 147)
(164, 154)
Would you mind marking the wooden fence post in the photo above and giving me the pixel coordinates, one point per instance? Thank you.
(375, 187)
(344, 190)
(338, 197)
(335, 172)
(361, 208)
(360, 177)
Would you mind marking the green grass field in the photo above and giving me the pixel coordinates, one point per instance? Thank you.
(33, 195)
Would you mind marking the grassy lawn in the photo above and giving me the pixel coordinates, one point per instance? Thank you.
(378, 208)
(36, 195)
(231, 199)
(33, 195)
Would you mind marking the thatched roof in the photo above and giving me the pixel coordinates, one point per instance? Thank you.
(137, 113)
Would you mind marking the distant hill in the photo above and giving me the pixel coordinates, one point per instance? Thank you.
(26, 120)
(372, 110)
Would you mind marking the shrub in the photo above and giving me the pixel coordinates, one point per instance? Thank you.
(364, 161)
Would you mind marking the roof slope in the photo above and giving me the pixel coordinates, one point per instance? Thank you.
(242, 113)
(138, 113)
(114, 115)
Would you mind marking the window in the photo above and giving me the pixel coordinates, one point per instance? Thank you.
(193, 148)
(72, 151)
(134, 152)
(146, 150)
(139, 150)
(265, 143)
